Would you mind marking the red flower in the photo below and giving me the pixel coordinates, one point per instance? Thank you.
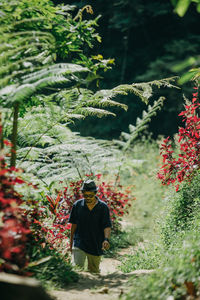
(188, 161)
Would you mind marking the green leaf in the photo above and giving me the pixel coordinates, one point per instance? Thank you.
(198, 8)
(186, 77)
(184, 64)
(182, 7)
(40, 261)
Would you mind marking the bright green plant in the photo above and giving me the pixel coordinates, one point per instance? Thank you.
(143, 258)
(49, 267)
(33, 34)
(181, 6)
(127, 139)
(178, 275)
(182, 210)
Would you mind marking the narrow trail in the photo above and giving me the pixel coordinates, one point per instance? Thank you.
(110, 284)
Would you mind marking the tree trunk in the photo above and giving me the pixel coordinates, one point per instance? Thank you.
(14, 135)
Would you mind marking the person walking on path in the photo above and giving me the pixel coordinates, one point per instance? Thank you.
(91, 228)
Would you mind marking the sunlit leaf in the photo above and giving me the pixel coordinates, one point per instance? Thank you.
(182, 7)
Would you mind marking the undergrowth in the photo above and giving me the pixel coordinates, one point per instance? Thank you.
(118, 241)
(50, 268)
(178, 275)
(148, 258)
(172, 248)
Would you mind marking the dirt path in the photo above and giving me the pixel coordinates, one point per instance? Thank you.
(111, 284)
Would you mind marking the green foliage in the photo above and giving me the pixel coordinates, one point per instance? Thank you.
(147, 39)
(119, 240)
(50, 267)
(181, 6)
(178, 276)
(177, 261)
(57, 22)
(39, 82)
(182, 210)
(25, 47)
(42, 129)
(139, 171)
(58, 153)
(144, 257)
(141, 125)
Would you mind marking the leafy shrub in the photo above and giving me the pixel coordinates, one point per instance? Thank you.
(178, 276)
(182, 209)
(117, 241)
(20, 246)
(116, 197)
(182, 168)
(50, 267)
(14, 226)
(142, 258)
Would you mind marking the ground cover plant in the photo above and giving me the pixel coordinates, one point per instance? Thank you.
(49, 266)
(178, 275)
(140, 170)
(181, 210)
(176, 272)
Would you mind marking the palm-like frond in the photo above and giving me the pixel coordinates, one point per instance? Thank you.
(69, 157)
(144, 90)
(43, 81)
(127, 139)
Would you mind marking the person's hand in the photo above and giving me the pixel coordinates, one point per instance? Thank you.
(105, 245)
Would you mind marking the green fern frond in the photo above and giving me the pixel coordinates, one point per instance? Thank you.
(144, 90)
(141, 124)
(91, 111)
(69, 156)
(58, 69)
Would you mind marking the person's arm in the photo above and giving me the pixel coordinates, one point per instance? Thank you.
(106, 243)
(73, 229)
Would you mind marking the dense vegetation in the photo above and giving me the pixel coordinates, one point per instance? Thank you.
(171, 248)
(54, 79)
(147, 40)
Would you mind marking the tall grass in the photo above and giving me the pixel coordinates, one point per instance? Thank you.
(144, 161)
(169, 224)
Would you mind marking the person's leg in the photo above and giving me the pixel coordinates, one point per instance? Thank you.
(93, 263)
(78, 257)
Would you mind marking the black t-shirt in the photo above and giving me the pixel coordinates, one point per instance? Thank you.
(89, 233)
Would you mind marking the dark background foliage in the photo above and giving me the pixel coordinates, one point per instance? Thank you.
(147, 39)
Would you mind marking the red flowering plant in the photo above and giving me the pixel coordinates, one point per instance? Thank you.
(117, 199)
(55, 226)
(176, 169)
(50, 225)
(14, 225)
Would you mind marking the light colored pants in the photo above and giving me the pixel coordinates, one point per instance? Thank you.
(79, 257)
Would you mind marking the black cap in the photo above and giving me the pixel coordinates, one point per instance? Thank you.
(89, 186)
